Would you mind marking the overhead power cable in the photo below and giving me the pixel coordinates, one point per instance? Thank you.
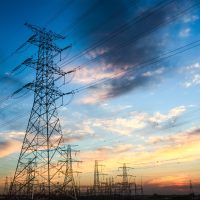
(16, 50)
(152, 61)
(123, 28)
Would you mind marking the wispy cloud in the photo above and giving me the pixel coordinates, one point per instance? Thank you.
(158, 118)
(185, 32)
(154, 72)
(178, 154)
(119, 54)
(77, 132)
(194, 81)
(192, 73)
(188, 18)
(96, 52)
(116, 149)
(8, 147)
(177, 139)
(123, 126)
(102, 92)
(89, 75)
(178, 180)
(135, 121)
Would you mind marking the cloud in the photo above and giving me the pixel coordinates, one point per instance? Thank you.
(121, 59)
(122, 126)
(156, 160)
(136, 121)
(96, 52)
(194, 81)
(115, 108)
(191, 73)
(116, 149)
(178, 139)
(154, 72)
(188, 18)
(127, 52)
(185, 32)
(173, 113)
(178, 180)
(164, 158)
(89, 75)
(179, 147)
(76, 132)
(10, 142)
(95, 97)
(8, 147)
(192, 67)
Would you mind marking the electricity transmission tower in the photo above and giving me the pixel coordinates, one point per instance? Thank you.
(69, 183)
(78, 183)
(97, 183)
(96, 186)
(6, 187)
(191, 192)
(125, 187)
(30, 179)
(139, 191)
(38, 164)
(109, 186)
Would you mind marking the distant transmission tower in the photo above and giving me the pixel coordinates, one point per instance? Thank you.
(139, 191)
(125, 188)
(109, 186)
(30, 179)
(69, 186)
(98, 184)
(191, 192)
(78, 183)
(38, 164)
(6, 186)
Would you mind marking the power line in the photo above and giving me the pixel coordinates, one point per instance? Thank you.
(152, 61)
(81, 17)
(16, 51)
(139, 34)
(122, 29)
(137, 37)
(59, 12)
(84, 15)
(91, 9)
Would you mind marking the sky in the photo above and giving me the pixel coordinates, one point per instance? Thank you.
(139, 77)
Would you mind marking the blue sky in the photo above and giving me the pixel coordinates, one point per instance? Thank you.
(147, 113)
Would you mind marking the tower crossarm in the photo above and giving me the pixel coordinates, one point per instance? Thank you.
(39, 40)
(59, 71)
(32, 86)
(40, 30)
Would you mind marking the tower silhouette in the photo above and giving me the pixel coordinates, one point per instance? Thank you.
(69, 183)
(96, 186)
(38, 164)
(125, 187)
(6, 186)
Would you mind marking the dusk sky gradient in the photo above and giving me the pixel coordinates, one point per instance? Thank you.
(146, 113)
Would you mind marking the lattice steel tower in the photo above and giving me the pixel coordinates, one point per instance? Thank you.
(96, 186)
(38, 164)
(6, 186)
(69, 189)
(125, 185)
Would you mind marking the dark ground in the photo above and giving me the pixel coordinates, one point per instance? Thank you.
(117, 197)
